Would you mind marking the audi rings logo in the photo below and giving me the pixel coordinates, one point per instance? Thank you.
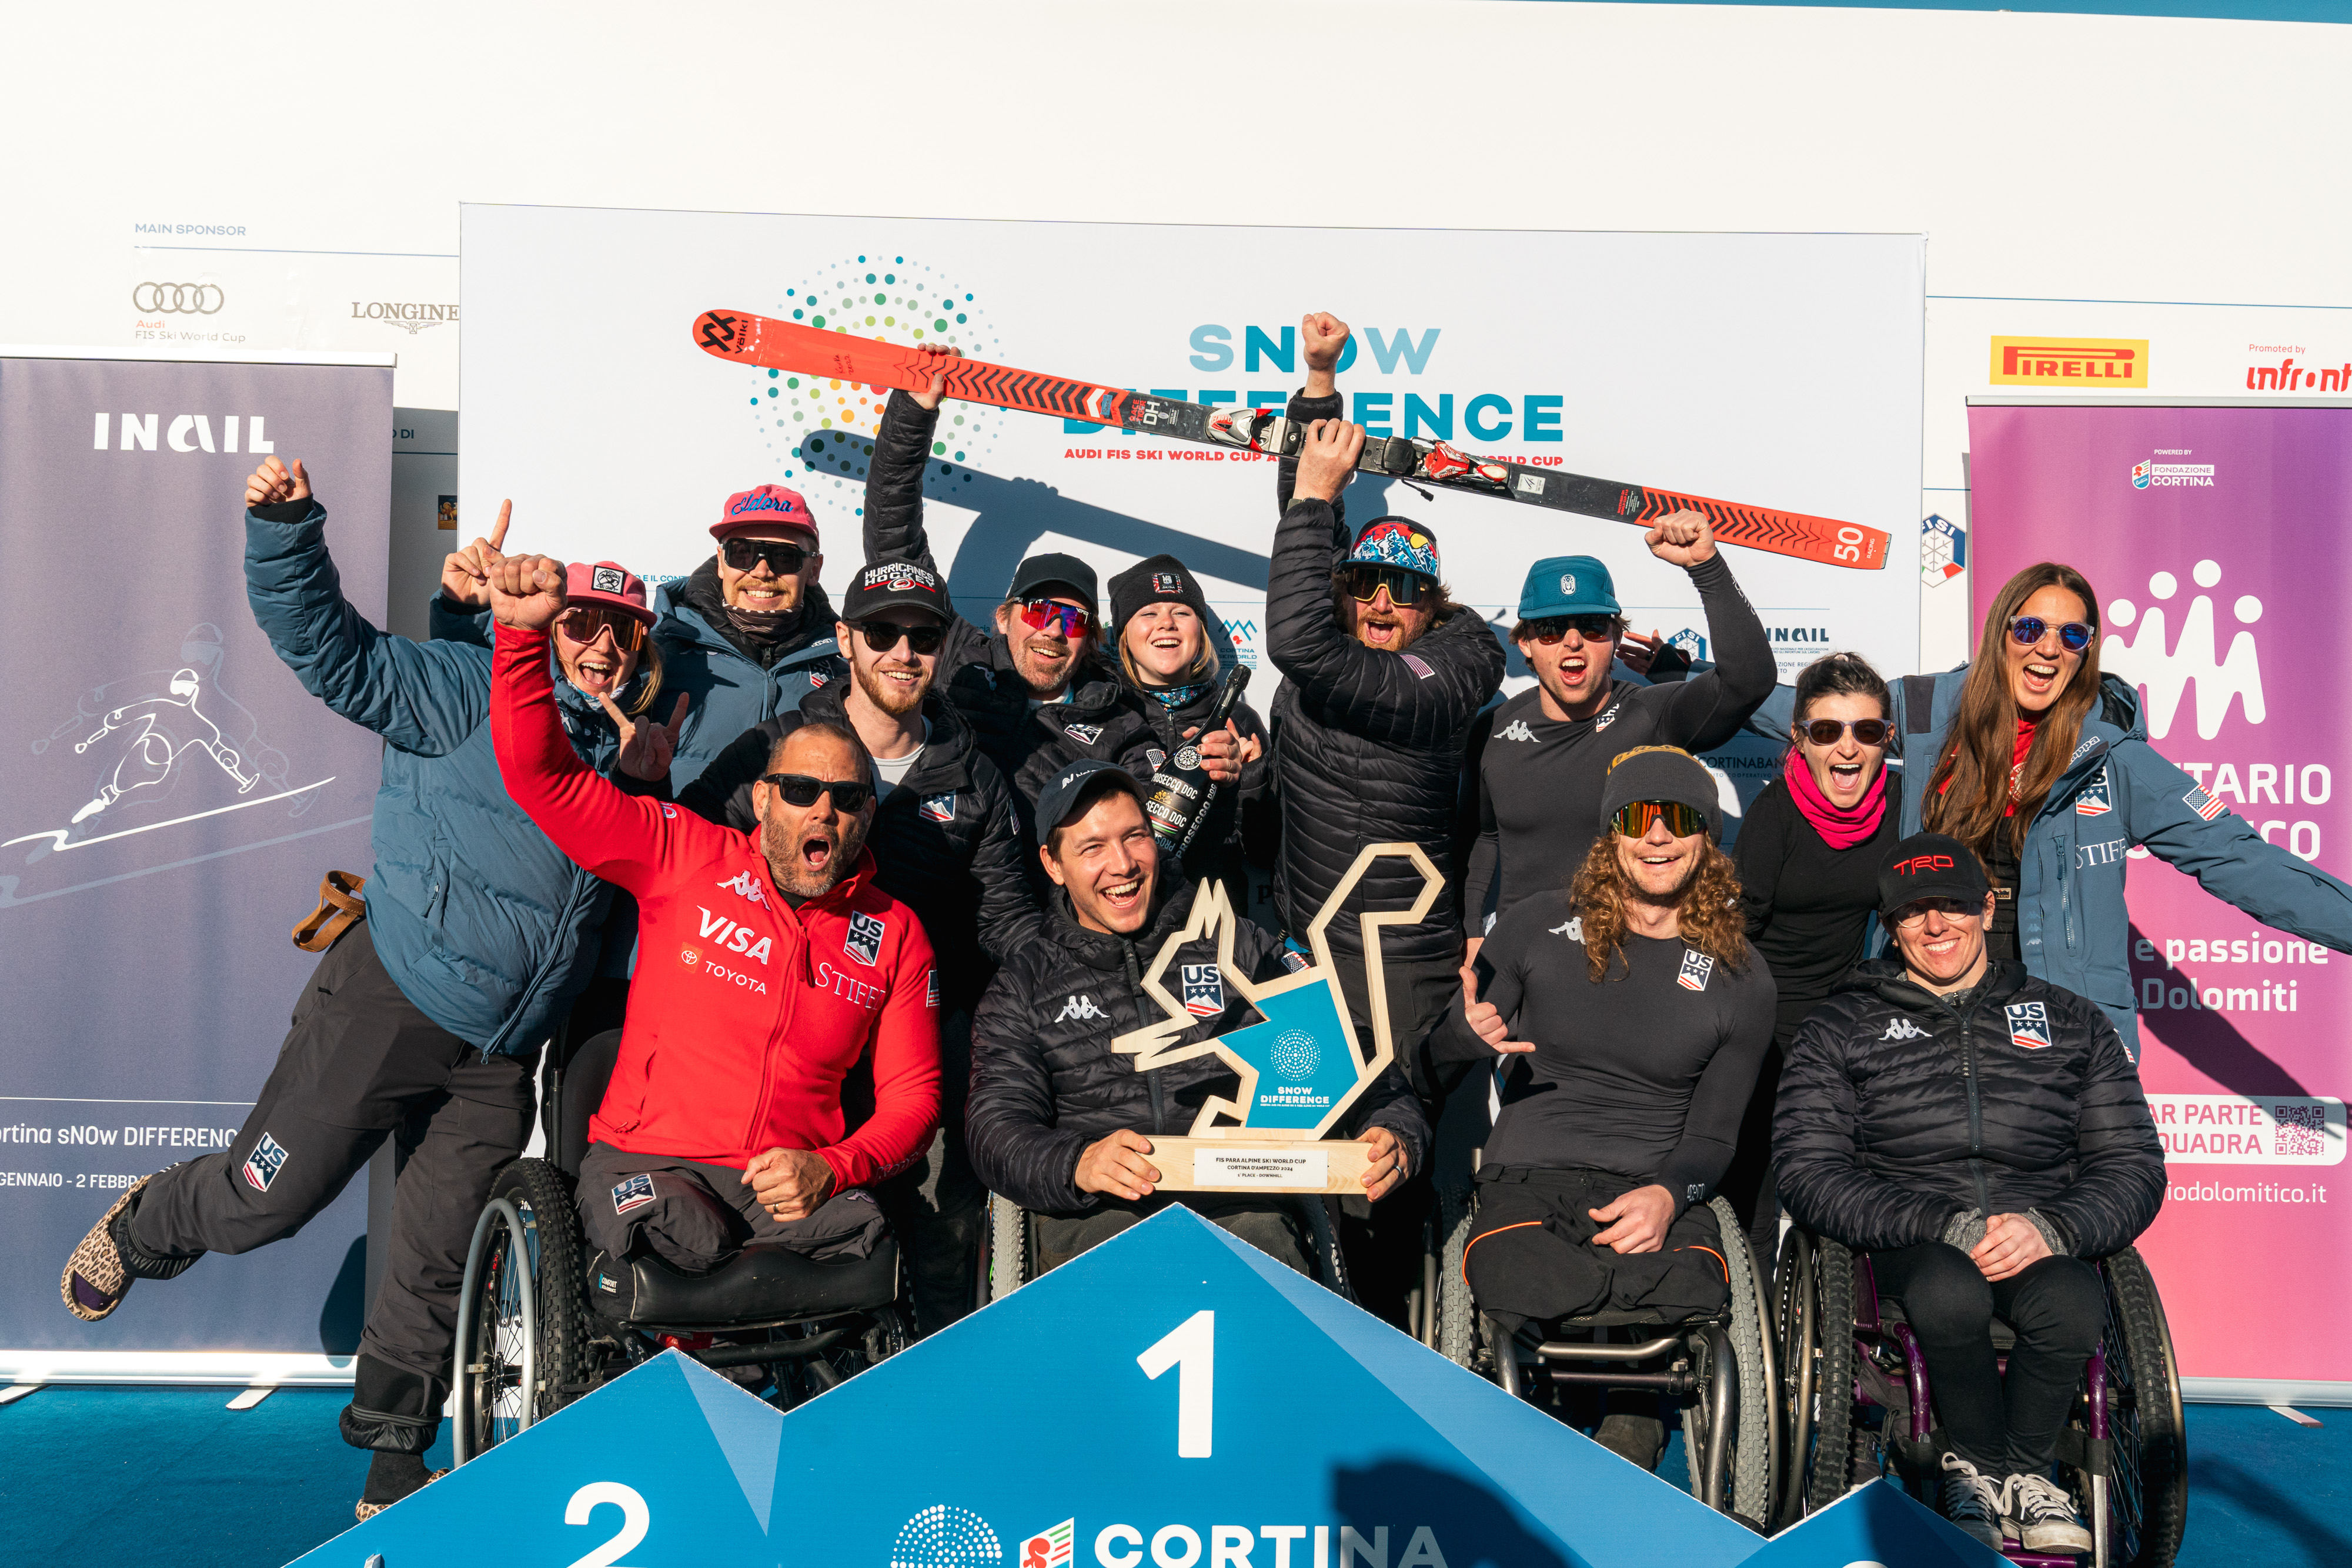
(177, 299)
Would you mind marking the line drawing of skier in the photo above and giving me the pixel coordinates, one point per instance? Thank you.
(163, 715)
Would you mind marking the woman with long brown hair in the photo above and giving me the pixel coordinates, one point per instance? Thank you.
(2031, 757)
(1632, 1012)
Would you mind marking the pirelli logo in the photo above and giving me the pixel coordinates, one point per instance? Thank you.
(2106, 364)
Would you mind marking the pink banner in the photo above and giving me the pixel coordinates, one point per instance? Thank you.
(2217, 541)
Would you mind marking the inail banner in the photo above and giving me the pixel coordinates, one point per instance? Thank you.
(2216, 540)
(169, 797)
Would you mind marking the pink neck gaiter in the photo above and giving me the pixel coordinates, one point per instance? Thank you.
(1841, 829)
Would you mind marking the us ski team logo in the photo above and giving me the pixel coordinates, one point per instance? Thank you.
(1049, 1548)
(1204, 990)
(262, 1165)
(938, 807)
(864, 940)
(634, 1192)
(1698, 969)
(743, 886)
(2202, 803)
(1604, 721)
(2029, 1025)
(2094, 800)
(1087, 734)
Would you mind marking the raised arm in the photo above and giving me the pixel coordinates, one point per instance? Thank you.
(1708, 709)
(894, 504)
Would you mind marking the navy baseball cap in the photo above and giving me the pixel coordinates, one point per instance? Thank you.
(1055, 800)
(1567, 585)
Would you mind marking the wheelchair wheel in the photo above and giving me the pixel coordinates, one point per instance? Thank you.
(1749, 1447)
(1824, 1468)
(1008, 1248)
(1457, 1338)
(521, 1315)
(2147, 1491)
(1794, 1317)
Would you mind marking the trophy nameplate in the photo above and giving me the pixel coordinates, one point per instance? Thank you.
(1300, 1068)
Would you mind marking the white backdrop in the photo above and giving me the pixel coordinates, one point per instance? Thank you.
(1697, 362)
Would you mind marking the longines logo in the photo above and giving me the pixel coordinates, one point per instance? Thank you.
(177, 299)
(410, 315)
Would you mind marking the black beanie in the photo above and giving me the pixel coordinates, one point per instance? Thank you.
(1153, 580)
(1662, 773)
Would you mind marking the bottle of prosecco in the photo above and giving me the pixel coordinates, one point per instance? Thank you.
(1181, 792)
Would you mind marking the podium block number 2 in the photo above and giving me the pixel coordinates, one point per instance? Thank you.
(1190, 1347)
(635, 1519)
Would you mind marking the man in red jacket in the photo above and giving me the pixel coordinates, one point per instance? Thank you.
(769, 966)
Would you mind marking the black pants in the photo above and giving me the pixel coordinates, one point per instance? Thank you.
(1382, 1242)
(1531, 1256)
(1267, 1224)
(695, 1216)
(938, 1208)
(2003, 1426)
(361, 1064)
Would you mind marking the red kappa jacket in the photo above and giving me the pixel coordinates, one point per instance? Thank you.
(745, 1014)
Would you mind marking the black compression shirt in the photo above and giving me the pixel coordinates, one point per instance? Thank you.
(1645, 1074)
(1808, 905)
(1540, 779)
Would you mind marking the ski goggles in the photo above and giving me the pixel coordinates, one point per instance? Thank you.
(1830, 731)
(2027, 629)
(1633, 818)
(583, 624)
(1550, 629)
(1051, 615)
(883, 635)
(783, 556)
(801, 790)
(1363, 582)
(1912, 916)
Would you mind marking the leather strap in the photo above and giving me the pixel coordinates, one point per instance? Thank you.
(339, 910)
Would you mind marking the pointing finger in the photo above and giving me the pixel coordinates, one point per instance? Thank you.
(620, 720)
(678, 715)
(498, 531)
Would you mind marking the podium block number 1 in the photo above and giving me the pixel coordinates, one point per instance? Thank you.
(1190, 1347)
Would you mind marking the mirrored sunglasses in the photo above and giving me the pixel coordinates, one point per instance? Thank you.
(1633, 820)
(1041, 614)
(2028, 630)
(1363, 582)
(584, 622)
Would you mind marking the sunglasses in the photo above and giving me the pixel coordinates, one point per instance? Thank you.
(2027, 629)
(1046, 614)
(1913, 914)
(583, 624)
(782, 555)
(1364, 581)
(1550, 629)
(1829, 731)
(850, 794)
(1633, 820)
(883, 635)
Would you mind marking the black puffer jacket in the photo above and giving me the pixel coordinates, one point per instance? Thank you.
(1029, 746)
(1216, 848)
(1898, 1111)
(1370, 743)
(1046, 1084)
(946, 842)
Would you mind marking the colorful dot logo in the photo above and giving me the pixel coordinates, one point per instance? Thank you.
(826, 427)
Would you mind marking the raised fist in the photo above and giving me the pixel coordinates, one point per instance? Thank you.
(1324, 337)
(936, 358)
(1683, 539)
(1327, 459)
(526, 591)
(271, 483)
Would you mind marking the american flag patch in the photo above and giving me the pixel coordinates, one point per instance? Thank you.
(1418, 665)
(1204, 990)
(1698, 969)
(938, 807)
(2029, 1025)
(2202, 803)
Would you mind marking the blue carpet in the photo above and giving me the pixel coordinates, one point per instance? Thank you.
(169, 1476)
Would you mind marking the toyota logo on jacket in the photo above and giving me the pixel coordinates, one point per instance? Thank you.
(745, 1015)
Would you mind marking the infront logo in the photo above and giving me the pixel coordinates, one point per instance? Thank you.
(2164, 676)
(2110, 364)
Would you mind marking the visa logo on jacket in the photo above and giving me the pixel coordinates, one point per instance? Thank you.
(736, 938)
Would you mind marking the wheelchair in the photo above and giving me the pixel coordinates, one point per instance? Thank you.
(1720, 1368)
(1857, 1404)
(540, 1322)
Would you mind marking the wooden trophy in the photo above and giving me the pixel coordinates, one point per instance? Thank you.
(1300, 1068)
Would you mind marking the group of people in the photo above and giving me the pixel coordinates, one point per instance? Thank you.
(867, 893)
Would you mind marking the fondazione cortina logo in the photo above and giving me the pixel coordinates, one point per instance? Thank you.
(2166, 471)
(2165, 673)
(415, 316)
(946, 1537)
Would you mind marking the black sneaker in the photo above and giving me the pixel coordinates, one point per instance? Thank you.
(1972, 1502)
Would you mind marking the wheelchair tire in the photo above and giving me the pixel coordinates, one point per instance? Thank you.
(1008, 1248)
(1828, 1471)
(1749, 1494)
(1796, 1320)
(2148, 1489)
(1457, 1314)
(523, 1313)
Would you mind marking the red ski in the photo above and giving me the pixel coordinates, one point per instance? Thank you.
(747, 338)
